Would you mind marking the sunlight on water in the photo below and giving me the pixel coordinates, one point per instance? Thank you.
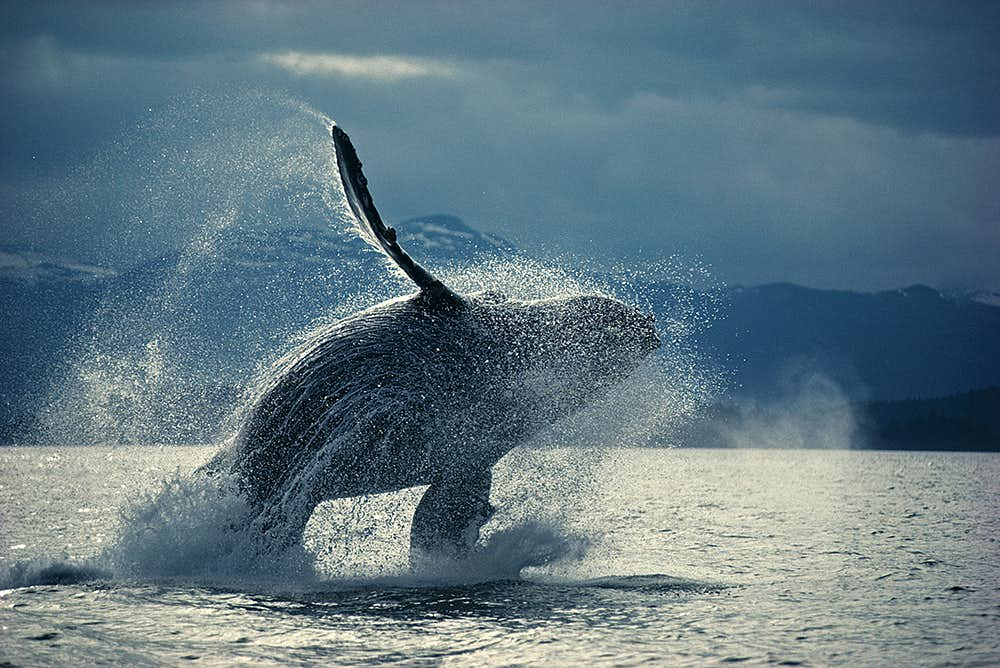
(692, 557)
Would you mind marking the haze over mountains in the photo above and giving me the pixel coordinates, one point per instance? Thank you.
(200, 326)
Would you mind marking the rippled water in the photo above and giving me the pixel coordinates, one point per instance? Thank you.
(674, 557)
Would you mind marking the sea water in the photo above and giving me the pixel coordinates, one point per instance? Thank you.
(661, 556)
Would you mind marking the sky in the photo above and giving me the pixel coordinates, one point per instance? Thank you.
(835, 144)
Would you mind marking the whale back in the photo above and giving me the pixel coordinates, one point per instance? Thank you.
(573, 348)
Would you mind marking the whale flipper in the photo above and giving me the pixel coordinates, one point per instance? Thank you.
(449, 516)
(369, 222)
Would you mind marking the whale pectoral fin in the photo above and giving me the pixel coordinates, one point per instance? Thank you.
(369, 222)
(449, 516)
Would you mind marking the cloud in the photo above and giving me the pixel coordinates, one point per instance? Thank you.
(789, 142)
(379, 68)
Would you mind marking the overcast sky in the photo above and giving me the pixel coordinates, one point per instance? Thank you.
(849, 145)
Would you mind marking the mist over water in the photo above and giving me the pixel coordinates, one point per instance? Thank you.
(813, 412)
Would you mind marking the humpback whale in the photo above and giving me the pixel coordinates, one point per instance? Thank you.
(428, 389)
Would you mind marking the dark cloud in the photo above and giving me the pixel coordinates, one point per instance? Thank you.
(926, 66)
(837, 144)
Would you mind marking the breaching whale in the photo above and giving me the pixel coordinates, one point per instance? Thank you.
(429, 389)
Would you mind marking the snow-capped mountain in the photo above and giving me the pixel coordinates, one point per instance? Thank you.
(445, 238)
(988, 297)
(27, 266)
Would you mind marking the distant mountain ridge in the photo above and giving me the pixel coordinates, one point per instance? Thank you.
(439, 238)
(217, 312)
(895, 344)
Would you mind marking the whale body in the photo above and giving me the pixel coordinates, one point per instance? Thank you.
(429, 389)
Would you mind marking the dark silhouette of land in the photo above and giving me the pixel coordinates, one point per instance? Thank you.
(966, 421)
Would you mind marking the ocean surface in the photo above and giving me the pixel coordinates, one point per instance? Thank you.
(624, 557)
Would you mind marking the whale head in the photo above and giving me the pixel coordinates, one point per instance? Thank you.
(606, 338)
(568, 349)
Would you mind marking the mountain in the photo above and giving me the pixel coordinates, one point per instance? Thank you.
(165, 346)
(18, 264)
(441, 239)
(988, 297)
(897, 344)
(967, 421)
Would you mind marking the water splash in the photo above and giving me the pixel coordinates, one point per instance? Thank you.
(168, 357)
(195, 196)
